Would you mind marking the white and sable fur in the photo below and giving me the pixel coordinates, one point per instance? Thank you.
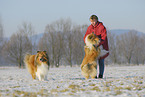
(90, 45)
(37, 65)
(89, 65)
(42, 71)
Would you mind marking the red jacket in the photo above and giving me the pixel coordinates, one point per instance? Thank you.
(101, 32)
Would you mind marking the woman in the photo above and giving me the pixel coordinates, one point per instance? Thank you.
(99, 29)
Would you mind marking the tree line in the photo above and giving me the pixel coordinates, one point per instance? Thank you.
(63, 41)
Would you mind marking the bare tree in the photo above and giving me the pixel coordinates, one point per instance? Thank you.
(16, 48)
(127, 43)
(1, 38)
(1, 31)
(139, 55)
(112, 47)
(63, 42)
(78, 43)
(27, 29)
(49, 42)
(69, 47)
(142, 55)
(44, 44)
(54, 40)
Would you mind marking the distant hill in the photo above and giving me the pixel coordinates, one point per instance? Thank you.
(122, 31)
(37, 37)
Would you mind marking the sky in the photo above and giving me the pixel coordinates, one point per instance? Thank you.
(115, 14)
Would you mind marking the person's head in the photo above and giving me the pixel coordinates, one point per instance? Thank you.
(93, 20)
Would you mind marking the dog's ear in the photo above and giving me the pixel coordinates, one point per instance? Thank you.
(44, 51)
(38, 51)
(94, 34)
(90, 37)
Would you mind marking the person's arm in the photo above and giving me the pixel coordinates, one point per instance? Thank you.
(87, 32)
(103, 36)
(103, 57)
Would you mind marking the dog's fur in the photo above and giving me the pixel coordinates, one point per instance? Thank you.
(37, 65)
(89, 65)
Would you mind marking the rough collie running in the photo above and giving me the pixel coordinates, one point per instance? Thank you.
(37, 65)
(89, 65)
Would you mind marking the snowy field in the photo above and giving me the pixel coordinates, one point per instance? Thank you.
(120, 81)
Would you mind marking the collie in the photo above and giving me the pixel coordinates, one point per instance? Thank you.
(89, 65)
(37, 65)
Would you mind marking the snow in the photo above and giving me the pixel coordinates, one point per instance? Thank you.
(120, 81)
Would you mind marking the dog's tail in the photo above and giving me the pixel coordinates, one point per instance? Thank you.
(26, 61)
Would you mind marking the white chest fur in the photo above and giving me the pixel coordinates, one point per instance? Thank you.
(88, 44)
(42, 70)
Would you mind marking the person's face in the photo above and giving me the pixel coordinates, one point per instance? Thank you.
(93, 22)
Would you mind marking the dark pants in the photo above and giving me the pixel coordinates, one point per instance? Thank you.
(101, 66)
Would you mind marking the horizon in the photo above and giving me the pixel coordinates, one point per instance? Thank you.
(114, 14)
(115, 31)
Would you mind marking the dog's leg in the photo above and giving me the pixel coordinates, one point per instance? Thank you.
(87, 77)
(42, 77)
(33, 76)
(93, 76)
(39, 77)
(93, 73)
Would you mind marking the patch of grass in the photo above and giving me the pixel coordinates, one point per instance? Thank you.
(128, 88)
(73, 91)
(83, 82)
(92, 84)
(106, 89)
(118, 92)
(117, 88)
(82, 89)
(30, 94)
(140, 82)
(96, 88)
(121, 83)
(61, 81)
(57, 87)
(4, 90)
(73, 86)
(54, 90)
(107, 84)
(25, 94)
(141, 77)
(15, 87)
(42, 92)
(65, 90)
(138, 95)
(71, 94)
(139, 88)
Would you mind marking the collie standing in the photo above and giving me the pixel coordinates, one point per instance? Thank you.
(89, 65)
(37, 65)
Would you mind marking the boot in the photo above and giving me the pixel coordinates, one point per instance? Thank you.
(95, 77)
(100, 76)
